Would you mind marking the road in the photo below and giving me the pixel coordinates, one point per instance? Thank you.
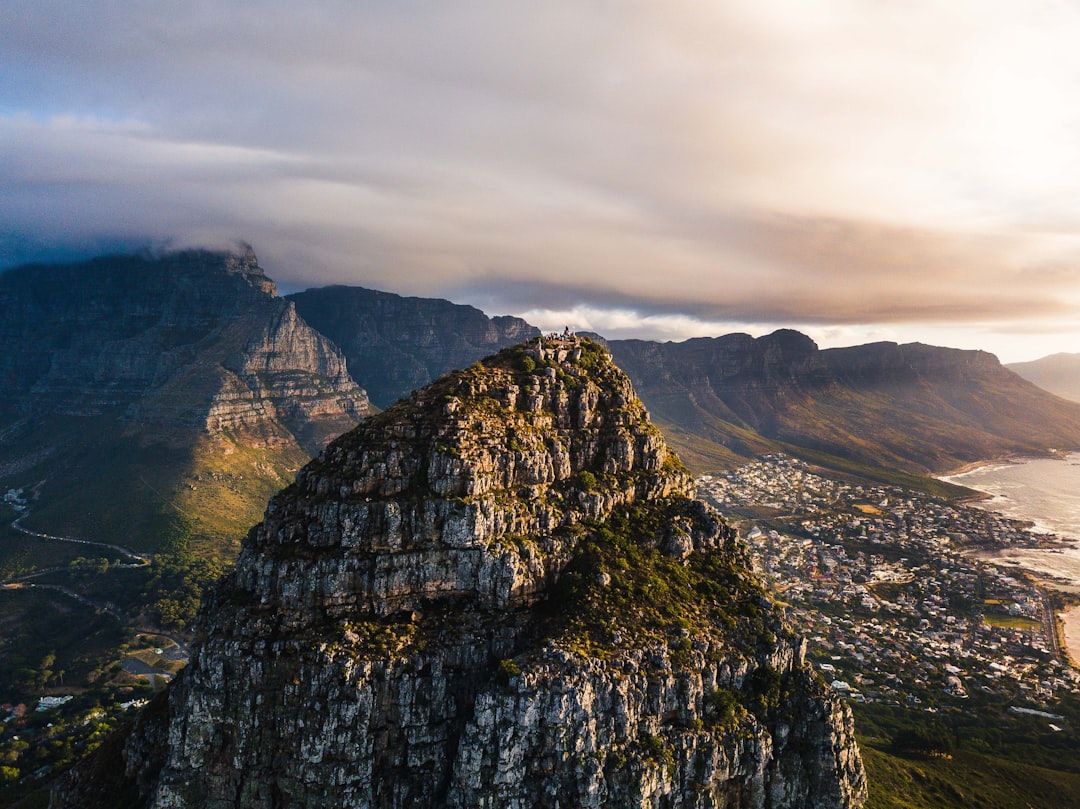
(101, 606)
(180, 642)
(127, 553)
(22, 580)
(1050, 630)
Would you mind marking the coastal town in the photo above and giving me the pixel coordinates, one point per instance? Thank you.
(884, 584)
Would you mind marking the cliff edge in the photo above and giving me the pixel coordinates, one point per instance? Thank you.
(498, 593)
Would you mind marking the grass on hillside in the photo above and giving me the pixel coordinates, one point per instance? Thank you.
(994, 759)
(717, 445)
(967, 780)
(712, 454)
(149, 494)
(106, 489)
(225, 490)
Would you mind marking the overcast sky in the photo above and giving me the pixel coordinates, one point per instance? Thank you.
(857, 169)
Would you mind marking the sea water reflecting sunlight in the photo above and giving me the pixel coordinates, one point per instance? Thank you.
(1045, 491)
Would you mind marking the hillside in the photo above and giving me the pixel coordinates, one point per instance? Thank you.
(395, 345)
(916, 408)
(151, 401)
(1058, 373)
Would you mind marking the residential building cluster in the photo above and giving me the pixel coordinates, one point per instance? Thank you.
(882, 582)
(15, 499)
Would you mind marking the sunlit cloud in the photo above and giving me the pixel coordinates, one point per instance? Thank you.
(834, 165)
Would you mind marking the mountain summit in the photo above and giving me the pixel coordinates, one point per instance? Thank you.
(499, 592)
(396, 345)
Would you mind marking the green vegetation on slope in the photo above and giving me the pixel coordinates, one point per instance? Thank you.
(890, 477)
(224, 491)
(918, 408)
(620, 585)
(982, 758)
(51, 641)
(148, 491)
(967, 780)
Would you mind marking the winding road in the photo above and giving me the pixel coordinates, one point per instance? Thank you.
(22, 580)
(127, 553)
(135, 560)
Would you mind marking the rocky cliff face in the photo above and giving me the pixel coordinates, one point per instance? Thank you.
(131, 384)
(190, 339)
(912, 407)
(497, 593)
(396, 345)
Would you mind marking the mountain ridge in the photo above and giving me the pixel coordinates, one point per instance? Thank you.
(143, 392)
(918, 408)
(396, 344)
(720, 400)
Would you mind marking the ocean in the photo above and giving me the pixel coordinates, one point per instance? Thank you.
(1046, 492)
(1043, 490)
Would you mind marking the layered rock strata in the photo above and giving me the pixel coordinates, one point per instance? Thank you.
(149, 400)
(191, 339)
(498, 593)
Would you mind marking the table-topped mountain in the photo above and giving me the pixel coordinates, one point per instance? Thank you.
(499, 592)
(912, 407)
(395, 344)
(147, 397)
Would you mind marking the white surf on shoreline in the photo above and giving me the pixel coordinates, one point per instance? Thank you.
(1045, 491)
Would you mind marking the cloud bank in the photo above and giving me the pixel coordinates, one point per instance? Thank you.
(840, 164)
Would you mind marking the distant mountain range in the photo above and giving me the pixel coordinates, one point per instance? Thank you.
(161, 400)
(912, 407)
(1058, 373)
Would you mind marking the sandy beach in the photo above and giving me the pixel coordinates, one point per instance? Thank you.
(1070, 620)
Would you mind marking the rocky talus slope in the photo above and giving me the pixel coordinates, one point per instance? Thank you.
(497, 593)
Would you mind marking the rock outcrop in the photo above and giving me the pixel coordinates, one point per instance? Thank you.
(497, 593)
(396, 345)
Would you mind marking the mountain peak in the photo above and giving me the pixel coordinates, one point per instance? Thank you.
(395, 344)
(498, 592)
(190, 353)
(542, 437)
(239, 260)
